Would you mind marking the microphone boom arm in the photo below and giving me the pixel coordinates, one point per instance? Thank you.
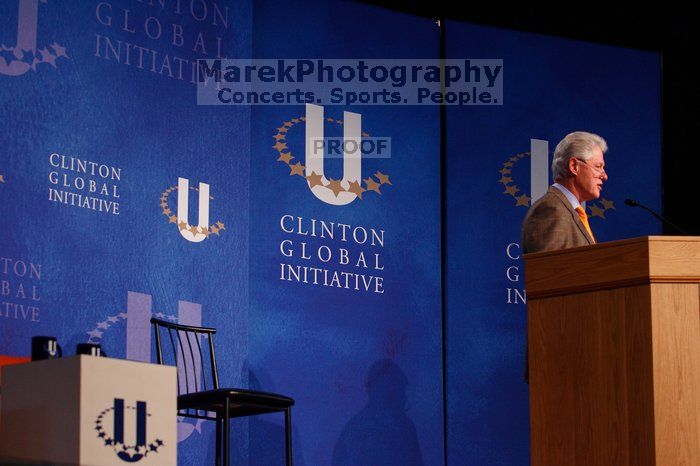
(633, 203)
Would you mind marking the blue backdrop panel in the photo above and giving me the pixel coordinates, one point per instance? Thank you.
(551, 87)
(100, 121)
(364, 367)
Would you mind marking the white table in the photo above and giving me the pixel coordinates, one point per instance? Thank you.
(87, 410)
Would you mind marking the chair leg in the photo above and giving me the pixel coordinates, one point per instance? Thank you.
(219, 437)
(288, 434)
(226, 432)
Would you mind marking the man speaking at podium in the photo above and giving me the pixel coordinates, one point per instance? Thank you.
(558, 220)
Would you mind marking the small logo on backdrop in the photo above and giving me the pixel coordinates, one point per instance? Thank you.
(18, 59)
(593, 208)
(111, 429)
(331, 191)
(2, 178)
(136, 334)
(203, 230)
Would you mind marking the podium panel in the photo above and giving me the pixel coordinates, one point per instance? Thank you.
(614, 353)
(87, 410)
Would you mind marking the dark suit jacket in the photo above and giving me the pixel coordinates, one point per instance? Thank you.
(552, 224)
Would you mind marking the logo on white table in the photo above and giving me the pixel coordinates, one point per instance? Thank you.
(129, 445)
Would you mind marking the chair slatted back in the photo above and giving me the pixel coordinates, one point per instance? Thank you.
(182, 346)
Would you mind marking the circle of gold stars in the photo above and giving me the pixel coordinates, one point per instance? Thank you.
(315, 179)
(593, 208)
(214, 228)
(133, 452)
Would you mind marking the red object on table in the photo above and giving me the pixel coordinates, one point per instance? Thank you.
(7, 360)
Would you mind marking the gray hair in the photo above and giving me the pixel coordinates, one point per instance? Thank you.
(578, 144)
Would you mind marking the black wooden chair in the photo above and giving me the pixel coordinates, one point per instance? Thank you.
(197, 398)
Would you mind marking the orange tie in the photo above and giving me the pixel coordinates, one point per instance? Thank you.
(584, 219)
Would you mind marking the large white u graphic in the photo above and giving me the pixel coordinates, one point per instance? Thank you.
(539, 168)
(190, 233)
(352, 162)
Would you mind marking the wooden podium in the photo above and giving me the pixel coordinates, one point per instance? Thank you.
(614, 353)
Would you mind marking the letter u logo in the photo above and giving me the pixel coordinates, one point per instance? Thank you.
(140, 422)
(352, 162)
(27, 20)
(190, 233)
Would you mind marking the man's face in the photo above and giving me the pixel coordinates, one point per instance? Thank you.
(589, 175)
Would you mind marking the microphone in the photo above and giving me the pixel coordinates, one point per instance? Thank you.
(633, 203)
